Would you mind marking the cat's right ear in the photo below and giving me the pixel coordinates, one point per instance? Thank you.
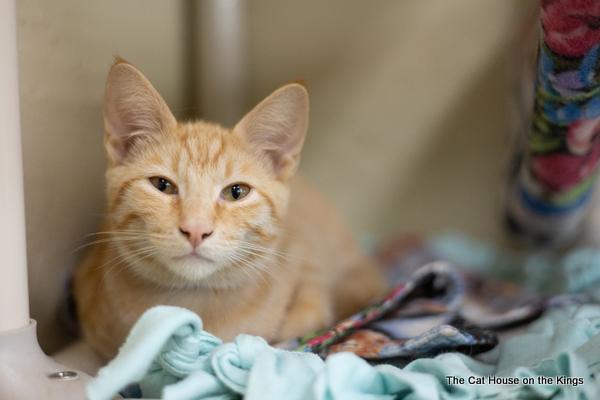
(133, 110)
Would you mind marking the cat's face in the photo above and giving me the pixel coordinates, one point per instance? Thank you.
(194, 203)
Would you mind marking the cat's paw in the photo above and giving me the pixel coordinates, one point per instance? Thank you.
(305, 318)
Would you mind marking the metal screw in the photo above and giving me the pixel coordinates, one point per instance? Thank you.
(64, 375)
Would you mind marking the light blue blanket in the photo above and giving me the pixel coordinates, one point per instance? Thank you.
(171, 357)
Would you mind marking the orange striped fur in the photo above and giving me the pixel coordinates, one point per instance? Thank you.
(278, 263)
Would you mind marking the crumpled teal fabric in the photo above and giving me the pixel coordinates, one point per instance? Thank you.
(159, 355)
(545, 272)
(165, 345)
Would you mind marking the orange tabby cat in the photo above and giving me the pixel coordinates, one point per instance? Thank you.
(210, 219)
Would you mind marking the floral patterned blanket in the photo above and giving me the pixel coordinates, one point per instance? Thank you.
(434, 307)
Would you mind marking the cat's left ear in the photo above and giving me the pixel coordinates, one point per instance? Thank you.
(277, 127)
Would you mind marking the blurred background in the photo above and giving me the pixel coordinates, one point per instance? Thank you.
(409, 120)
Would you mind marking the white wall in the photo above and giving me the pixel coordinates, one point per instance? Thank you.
(408, 124)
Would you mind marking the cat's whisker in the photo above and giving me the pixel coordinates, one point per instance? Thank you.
(142, 256)
(117, 236)
(261, 250)
(107, 240)
(252, 267)
(248, 252)
(255, 246)
(284, 255)
(127, 257)
(111, 232)
(122, 256)
(257, 265)
(129, 233)
(236, 261)
(126, 231)
(258, 254)
(266, 250)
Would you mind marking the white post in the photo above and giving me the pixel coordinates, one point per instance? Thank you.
(25, 371)
(14, 301)
(221, 59)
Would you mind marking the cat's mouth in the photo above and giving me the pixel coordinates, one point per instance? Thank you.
(193, 255)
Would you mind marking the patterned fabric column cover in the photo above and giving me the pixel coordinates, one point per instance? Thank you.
(557, 162)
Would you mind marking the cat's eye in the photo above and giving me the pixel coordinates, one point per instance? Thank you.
(163, 184)
(235, 192)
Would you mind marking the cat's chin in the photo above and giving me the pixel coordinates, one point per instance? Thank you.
(194, 272)
(192, 269)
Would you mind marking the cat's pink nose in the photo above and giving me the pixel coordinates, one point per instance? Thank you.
(195, 233)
